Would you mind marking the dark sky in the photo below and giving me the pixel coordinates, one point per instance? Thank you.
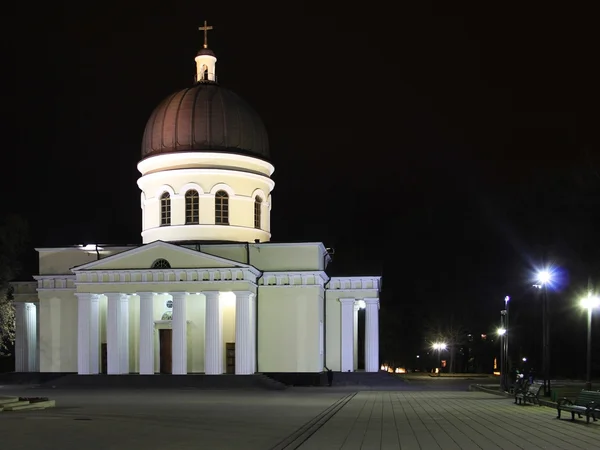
(448, 148)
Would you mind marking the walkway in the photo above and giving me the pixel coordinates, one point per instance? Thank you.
(448, 420)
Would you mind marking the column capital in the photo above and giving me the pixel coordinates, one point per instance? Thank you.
(178, 294)
(372, 301)
(242, 294)
(211, 294)
(145, 294)
(346, 301)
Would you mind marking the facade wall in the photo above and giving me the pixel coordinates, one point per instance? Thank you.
(61, 260)
(58, 332)
(289, 329)
(273, 257)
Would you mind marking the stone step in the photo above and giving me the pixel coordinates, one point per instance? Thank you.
(9, 406)
(30, 406)
(5, 400)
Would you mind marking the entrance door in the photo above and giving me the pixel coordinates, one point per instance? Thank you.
(230, 356)
(166, 350)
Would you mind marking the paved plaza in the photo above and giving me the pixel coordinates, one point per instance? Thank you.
(308, 419)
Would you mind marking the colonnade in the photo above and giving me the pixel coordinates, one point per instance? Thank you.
(117, 333)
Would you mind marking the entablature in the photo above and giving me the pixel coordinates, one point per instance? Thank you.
(296, 278)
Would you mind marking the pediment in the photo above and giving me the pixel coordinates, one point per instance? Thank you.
(143, 258)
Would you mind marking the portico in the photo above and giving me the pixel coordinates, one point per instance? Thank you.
(124, 332)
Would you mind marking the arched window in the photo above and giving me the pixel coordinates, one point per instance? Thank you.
(221, 208)
(257, 212)
(161, 264)
(165, 209)
(191, 208)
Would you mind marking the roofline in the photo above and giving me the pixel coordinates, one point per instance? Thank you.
(101, 247)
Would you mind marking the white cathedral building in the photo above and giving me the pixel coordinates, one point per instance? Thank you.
(206, 291)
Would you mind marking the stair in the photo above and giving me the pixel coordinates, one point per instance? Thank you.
(199, 381)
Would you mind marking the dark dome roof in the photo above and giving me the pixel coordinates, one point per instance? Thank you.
(205, 117)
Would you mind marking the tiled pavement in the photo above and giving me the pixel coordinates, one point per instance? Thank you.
(195, 419)
(448, 420)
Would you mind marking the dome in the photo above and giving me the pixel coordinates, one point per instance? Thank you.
(205, 118)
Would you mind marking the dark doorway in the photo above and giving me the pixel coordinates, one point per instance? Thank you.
(230, 356)
(361, 339)
(104, 358)
(166, 350)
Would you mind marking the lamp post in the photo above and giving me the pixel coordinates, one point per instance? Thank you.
(439, 346)
(502, 333)
(590, 302)
(544, 278)
(505, 368)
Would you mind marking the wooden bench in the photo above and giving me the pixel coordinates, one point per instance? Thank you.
(587, 402)
(529, 393)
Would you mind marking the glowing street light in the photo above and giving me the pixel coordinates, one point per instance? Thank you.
(544, 277)
(501, 331)
(590, 303)
(439, 346)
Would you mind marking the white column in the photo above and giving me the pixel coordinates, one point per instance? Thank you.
(213, 339)
(117, 333)
(347, 334)
(146, 333)
(95, 334)
(372, 335)
(253, 331)
(37, 336)
(21, 358)
(31, 335)
(179, 333)
(244, 337)
(356, 309)
(88, 333)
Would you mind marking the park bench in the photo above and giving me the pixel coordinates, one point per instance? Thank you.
(587, 402)
(519, 389)
(528, 392)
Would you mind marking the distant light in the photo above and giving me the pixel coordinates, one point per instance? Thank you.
(524, 359)
(501, 331)
(590, 302)
(439, 346)
(506, 299)
(89, 247)
(418, 356)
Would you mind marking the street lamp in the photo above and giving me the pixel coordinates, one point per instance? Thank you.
(439, 346)
(544, 278)
(590, 302)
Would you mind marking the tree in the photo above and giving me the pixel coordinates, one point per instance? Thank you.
(13, 242)
(451, 333)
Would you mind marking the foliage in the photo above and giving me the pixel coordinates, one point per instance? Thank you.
(13, 242)
(7, 321)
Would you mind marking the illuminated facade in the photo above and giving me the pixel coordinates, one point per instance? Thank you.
(206, 292)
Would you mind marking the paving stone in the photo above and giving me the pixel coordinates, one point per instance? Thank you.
(449, 420)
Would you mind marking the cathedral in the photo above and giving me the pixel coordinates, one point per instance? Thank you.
(206, 292)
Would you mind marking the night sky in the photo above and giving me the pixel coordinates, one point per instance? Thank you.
(450, 149)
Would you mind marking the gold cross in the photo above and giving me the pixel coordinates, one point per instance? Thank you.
(205, 28)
